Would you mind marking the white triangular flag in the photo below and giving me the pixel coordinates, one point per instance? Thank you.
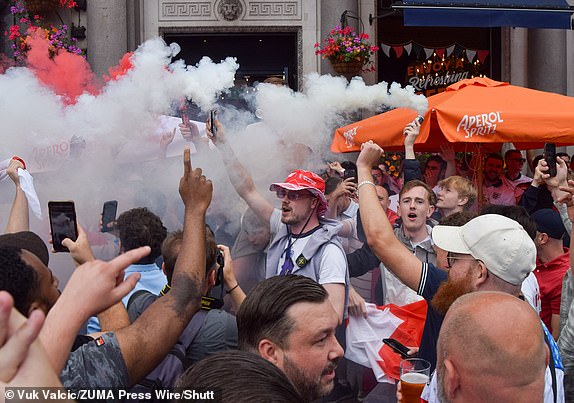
(409, 47)
(386, 49)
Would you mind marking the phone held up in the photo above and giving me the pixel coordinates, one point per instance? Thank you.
(63, 223)
(109, 212)
(550, 158)
(398, 348)
(212, 116)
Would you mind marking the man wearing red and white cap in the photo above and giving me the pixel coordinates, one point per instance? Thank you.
(303, 241)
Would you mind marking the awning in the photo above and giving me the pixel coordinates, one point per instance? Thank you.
(487, 13)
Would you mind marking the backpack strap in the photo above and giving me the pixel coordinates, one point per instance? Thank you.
(552, 368)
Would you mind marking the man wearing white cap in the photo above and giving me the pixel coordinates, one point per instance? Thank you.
(489, 253)
(303, 241)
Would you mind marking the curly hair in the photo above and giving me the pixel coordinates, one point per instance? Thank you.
(140, 227)
(17, 278)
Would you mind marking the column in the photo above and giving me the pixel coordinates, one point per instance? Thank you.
(107, 34)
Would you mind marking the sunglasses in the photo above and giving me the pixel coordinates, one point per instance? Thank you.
(519, 159)
(292, 195)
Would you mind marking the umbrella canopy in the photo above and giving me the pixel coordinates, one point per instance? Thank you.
(471, 113)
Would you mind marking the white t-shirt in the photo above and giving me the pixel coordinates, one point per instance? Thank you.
(531, 292)
(333, 263)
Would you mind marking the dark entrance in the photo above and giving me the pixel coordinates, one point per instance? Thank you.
(259, 54)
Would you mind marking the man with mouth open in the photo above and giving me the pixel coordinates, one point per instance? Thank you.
(303, 241)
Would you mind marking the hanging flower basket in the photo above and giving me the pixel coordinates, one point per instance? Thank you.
(39, 7)
(351, 68)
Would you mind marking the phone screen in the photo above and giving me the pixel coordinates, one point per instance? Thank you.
(62, 223)
(109, 215)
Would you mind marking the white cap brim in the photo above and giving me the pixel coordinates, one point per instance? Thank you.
(450, 239)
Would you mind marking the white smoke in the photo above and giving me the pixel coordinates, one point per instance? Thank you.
(123, 119)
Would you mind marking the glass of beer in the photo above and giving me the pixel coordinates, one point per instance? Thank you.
(415, 374)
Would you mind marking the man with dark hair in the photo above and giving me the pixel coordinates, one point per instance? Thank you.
(494, 188)
(139, 227)
(216, 329)
(27, 286)
(552, 263)
(514, 162)
(239, 377)
(289, 321)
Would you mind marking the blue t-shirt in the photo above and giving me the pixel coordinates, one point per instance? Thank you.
(431, 279)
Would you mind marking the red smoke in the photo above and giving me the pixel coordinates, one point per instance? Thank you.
(122, 68)
(67, 74)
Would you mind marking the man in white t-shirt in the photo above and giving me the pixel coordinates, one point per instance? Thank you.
(303, 242)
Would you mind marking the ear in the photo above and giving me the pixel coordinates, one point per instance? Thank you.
(431, 210)
(271, 352)
(543, 238)
(481, 275)
(451, 380)
(462, 201)
(37, 305)
(211, 278)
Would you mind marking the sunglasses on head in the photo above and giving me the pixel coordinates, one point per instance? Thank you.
(292, 195)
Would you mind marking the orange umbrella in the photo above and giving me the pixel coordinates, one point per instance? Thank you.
(472, 112)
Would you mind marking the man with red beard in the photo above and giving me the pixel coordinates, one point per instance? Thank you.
(289, 321)
(303, 241)
(490, 252)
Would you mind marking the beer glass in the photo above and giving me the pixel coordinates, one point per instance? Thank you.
(415, 374)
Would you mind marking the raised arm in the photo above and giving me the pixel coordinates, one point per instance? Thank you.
(239, 176)
(380, 235)
(93, 287)
(19, 219)
(159, 326)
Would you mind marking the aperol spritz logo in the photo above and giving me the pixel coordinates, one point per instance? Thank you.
(349, 136)
(480, 124)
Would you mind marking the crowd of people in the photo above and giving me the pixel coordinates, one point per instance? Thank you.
(260, 316)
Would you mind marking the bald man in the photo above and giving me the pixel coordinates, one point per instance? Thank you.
(491, 349)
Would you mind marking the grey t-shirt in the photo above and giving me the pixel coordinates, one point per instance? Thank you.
(96, 364)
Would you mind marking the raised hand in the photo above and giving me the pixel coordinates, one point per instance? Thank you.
(370, 154)
(195, 190)
(97, 285)
(80, 250)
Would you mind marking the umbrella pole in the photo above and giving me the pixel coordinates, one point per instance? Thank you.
(479, 178)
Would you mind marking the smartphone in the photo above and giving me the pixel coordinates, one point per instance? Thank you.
(398, 348)
(212, 116)
(550, 158)
(109, 215)
(63, 223)
(420, 118)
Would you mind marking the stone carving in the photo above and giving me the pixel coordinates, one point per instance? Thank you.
(266, 8)
(198, 9)
(230, 10)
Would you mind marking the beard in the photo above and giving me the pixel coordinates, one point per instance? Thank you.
(449, 291)
(309, 388)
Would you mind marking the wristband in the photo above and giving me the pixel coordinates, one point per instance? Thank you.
(364, 183)
(20, 160)
(230, 290)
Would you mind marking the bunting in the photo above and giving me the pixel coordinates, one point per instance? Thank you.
(420, 51)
